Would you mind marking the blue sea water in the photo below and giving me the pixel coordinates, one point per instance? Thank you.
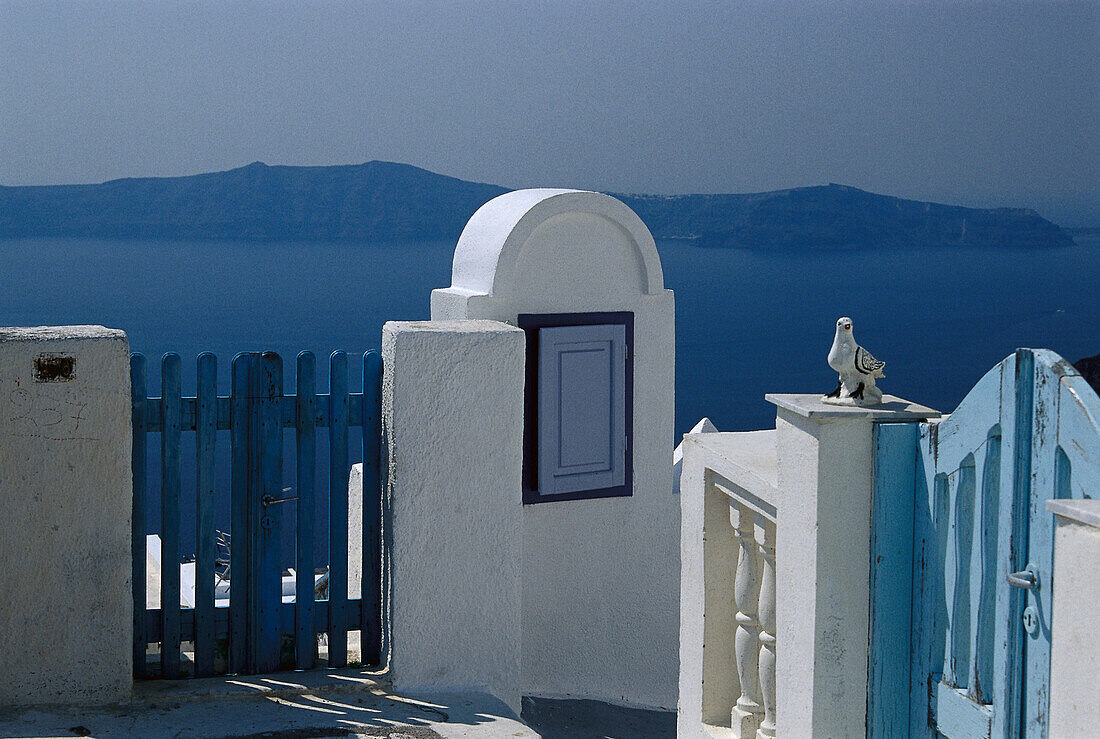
(748, 323)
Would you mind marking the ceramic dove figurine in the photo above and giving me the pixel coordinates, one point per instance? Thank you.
(856, 367)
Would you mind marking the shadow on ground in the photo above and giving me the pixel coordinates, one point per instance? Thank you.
(586, 719)
(295, 705)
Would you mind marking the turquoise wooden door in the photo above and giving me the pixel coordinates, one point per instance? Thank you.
(983, 544)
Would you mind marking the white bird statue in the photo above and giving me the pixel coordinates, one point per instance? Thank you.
(856, 367)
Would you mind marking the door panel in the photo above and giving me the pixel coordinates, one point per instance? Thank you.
(1026, 433)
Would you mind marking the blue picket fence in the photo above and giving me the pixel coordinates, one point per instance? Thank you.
(254, 629)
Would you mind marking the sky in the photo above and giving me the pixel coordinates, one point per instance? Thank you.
(972, 103)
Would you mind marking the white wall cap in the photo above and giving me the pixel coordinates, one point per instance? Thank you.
(747, 459)
(471, 326)
(892, 408)
(1080, 511)
(705, 426)
(487, 249)
(54, 333)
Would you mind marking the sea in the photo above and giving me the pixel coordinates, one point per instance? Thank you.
(747, 322)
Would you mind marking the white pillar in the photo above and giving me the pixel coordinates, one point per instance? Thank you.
(823, 534)
(766, 537)
(747, 713)
(1075, 619)
(452, 408)
(65, 511)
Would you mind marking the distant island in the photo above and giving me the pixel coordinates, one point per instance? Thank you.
(386, 201)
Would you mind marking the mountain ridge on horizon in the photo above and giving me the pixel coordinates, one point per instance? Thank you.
(389, 201)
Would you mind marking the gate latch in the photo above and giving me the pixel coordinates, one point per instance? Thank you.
(269, 499)
(1027, 578)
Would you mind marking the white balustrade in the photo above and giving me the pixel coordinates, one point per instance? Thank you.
(767, 633)
(747, 713)
(802, 490)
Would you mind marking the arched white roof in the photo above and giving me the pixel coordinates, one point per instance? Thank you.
(486, 253)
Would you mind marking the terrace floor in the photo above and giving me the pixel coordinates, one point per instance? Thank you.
(350, 702)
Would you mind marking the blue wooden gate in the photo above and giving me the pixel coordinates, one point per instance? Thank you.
(256, 631)
(962, 582)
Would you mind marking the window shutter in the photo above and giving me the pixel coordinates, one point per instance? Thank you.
(582, 408)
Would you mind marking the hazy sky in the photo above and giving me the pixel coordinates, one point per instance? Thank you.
(973, 103)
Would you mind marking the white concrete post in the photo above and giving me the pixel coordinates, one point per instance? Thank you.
(1075, 624)
(65, 505)
(452, 408)
(823, 535)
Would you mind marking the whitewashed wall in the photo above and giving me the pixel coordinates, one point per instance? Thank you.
(1075, 621)
(600, 578)
(65, 497)
(452, 408)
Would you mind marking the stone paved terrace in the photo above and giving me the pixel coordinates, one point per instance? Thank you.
(325, 703)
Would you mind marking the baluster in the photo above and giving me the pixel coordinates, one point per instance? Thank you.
(767, 633)
(746, 714)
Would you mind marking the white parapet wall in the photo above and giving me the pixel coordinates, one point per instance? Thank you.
(65, 498)
(600, 577)
(452, 406)
(1075, 632)
(775, 589)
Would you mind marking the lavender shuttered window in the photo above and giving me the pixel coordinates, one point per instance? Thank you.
(578, 433)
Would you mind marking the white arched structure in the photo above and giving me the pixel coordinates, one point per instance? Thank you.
(535, 249)
(599, 584)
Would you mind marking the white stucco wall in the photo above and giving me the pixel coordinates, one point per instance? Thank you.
(452, 418)
(1075, 624)
(708, 558)
(65, 499)
(600, 577)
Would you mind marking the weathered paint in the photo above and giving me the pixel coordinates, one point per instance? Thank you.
(892, 514)
(305, 426)
(982, 480)
(205, 550)
(265, 535)
(170, 515)
(338, 508)
(238, 582)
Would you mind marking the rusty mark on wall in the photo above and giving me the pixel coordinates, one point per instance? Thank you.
(54, 368)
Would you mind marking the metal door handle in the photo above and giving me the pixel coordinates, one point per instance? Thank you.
(272, 500)
(1026, 579)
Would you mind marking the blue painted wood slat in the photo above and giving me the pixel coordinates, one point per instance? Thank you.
(239, 572)
(980, 686)
(304, 636)
(957, 665)
(288, 412)
(892, 522)
(205, 549)
(338, 508)
(370, 637)
(170, 516)
(267, 540)
(137, 543)
(1014, 525)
